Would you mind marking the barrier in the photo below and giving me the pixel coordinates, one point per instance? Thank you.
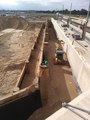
(80, 67)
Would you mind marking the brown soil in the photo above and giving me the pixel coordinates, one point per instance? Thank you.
(15, 44)
(32, 66)
(56, 83)
(13, 22)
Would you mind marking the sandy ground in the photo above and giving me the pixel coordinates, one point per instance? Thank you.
(56, 83)
(32, 66)
(15, 46)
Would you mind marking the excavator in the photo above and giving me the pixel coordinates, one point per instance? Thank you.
(59, 53)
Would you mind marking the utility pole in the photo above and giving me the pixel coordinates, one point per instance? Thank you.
(85, 24)
(68, 20)
(62, 12)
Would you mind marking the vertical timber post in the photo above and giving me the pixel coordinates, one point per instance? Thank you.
(85, 25)
(68, 20)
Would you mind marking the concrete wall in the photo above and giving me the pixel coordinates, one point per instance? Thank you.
(82, 101)
(80, 67)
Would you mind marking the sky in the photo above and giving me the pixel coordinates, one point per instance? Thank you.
(42, 4)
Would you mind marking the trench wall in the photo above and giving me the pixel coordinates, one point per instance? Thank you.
(22, 108)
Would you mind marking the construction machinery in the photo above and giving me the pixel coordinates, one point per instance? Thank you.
(59, 54)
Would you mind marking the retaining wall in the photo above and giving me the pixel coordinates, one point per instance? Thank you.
(80, 67)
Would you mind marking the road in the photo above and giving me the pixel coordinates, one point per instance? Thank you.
(78, 23)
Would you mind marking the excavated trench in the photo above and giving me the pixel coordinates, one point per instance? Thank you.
(56, 85)
(56, 81)
(25, 102)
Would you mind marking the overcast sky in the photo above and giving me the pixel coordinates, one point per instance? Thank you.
(42, 4)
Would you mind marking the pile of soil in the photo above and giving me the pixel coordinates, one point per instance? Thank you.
(17, 36)
(13, 22)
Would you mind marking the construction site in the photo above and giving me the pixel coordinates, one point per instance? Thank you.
(24, 47)
(43, 67)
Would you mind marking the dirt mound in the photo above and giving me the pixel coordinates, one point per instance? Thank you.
(13, 22)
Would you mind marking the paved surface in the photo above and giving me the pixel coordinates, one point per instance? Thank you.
(79, 20)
